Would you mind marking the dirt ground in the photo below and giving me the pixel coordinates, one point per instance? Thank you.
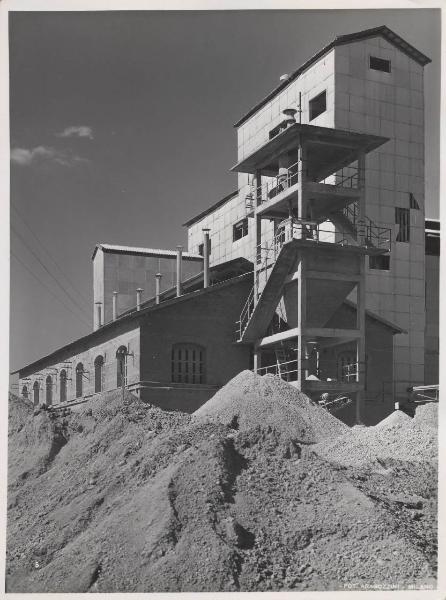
(240, 496)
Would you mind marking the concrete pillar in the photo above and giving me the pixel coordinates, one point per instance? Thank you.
(179, 269)
(360, 345)
(206, 258)
(99, 313)
(301, 275)
(257, 359)
(362, 200)
(361, 291)
(157, 287)
(301, 322)
(258, 236)
(284, 163)
(115, 305)
(139, 292)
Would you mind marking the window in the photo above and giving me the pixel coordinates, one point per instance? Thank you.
(201, 248)
(187, 363)
(381, 262)
(347, 367)
(98, 373)
(280, 127)
(79, 380)
(121, 366)
(239, 230)
(318, 105)
(379, 64)
(63, 386)
(25, 392)
(402, 219)
(49, 390)
(36, 393)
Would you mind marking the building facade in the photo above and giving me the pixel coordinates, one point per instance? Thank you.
(369, 83)
(318, 268)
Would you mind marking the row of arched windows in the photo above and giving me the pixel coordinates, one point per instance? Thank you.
(80, 375)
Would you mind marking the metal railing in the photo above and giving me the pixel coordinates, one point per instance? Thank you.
(425, 393)
(245, 315)
(347, 177)
(286, 370)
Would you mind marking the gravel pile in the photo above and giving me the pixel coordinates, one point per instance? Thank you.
(231, 499)
(426, 415)
(250, 401)
(399, 438)
(19, 411)
(396, 419)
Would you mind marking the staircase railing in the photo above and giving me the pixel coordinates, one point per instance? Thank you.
(245, 315)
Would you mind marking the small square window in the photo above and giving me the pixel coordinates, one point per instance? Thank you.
(240, 230)
(318, 105)
(382, 262)
(379, 64)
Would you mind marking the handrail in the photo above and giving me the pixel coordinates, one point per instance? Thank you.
(345, 177)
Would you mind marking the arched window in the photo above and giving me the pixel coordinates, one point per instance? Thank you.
(121, 366)
(188, 363)
(79, 380)
(36, 393)
(49, 390)
(98, 373)
(63, 385)
(347, 367)
(25, 392)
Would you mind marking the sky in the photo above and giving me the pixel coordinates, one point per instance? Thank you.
(121, 129)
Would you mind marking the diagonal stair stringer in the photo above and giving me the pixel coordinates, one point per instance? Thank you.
(271, 294)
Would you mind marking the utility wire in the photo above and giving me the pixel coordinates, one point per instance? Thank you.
(81, 296)
(49, 289)
(73, 300)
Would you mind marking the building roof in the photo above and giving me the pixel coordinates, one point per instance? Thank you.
(375, 317)
(129, 316)
(210, 209)
(114, 248)
(340, 40)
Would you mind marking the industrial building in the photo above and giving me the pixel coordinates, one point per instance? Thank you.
(319, 268)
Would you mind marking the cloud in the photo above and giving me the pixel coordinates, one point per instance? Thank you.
(43, 154)
(81, 131)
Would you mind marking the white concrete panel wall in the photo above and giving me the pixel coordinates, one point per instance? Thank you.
(391, 105)
(221, 222)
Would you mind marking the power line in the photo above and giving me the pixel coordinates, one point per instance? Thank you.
(81, 296)
(50, 291)
(73, 300)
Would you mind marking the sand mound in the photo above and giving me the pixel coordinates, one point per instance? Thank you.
(399, 438)
(19, 411)
(249, 401)
(140, 500)
(426, 415)
(396, 419)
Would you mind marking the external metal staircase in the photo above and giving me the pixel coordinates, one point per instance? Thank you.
(256, 316)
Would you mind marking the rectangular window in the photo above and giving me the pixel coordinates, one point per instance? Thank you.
(402, 219)
(379, 64)
(382, 263)
(201, 248)
(280, 127)
(318, 105)
(239, 230)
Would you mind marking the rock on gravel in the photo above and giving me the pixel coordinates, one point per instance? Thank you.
(250, 401)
